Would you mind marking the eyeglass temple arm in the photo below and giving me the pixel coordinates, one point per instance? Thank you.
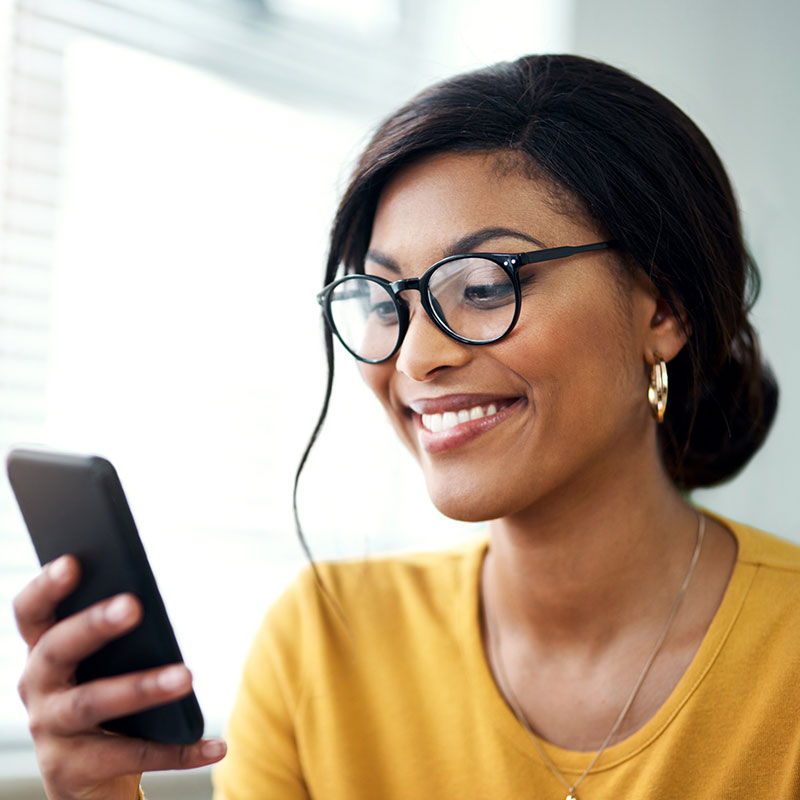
(561, 252)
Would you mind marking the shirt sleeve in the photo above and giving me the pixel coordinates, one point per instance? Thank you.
(262, 758)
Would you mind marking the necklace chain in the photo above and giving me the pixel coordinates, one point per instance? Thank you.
(516, 707)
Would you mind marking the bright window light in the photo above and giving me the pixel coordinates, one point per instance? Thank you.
(186, 347)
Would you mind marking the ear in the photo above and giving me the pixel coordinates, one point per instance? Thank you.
(667, 333)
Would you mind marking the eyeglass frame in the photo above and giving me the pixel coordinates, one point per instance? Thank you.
(511, 263)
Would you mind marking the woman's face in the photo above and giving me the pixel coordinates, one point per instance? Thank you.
(559, 403)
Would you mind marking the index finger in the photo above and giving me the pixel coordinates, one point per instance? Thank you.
(35, 605)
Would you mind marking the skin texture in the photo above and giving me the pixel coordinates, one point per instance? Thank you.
(589, 540)
(578, 365)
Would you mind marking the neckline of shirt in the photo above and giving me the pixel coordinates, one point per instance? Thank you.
(573, 762)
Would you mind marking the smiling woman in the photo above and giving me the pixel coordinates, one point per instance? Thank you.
(568, 334)
(540, 270)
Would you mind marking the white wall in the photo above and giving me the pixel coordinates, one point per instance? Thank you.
(734, 68)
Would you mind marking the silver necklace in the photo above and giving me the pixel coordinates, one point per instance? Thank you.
(516, 707)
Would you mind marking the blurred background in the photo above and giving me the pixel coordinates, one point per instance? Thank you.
(168, 173)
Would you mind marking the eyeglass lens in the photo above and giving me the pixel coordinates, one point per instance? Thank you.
(472, 297)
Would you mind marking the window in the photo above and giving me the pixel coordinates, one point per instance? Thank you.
(165, 237)
(169, 174)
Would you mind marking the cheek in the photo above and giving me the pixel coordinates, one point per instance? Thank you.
(376, 379)
(577, 353)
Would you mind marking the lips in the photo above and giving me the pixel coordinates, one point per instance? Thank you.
(448, 422)
(449, 419)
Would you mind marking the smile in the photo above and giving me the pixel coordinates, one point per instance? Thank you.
(449, 419)
(451, 422)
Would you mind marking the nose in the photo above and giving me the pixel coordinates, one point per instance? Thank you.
(426, 349)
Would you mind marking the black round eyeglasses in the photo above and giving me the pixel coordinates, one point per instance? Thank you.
(473, 298)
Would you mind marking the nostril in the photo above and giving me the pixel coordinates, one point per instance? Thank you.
(426, 349)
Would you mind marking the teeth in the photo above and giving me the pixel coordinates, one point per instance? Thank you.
(449, 419)
(433, 422)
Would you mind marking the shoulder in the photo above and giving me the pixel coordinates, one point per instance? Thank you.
(343, 598)
(351, 623)
(406, 576)
(764, 590)
(763, 549)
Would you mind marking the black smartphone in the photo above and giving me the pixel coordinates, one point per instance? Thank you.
(75, 504)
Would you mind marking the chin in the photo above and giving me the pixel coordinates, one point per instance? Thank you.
(468, 504)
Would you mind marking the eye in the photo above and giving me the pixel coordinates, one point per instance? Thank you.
(384, 312)
(489, 295)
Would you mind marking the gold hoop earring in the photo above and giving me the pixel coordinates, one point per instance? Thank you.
(658, 389)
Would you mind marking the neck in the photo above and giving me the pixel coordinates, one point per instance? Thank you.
(579, 571)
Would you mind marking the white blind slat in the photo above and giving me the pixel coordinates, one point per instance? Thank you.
(28, 184)
(38, 62)
(34, 153)
(29, 342)
(34, 29)
(24, 402)
(42, 124)
(21, 375)
(35, 92)
(23, 280)
(36, 218)
(20, 310)
(26, 248)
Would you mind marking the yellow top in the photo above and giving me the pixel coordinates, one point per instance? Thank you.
(399, 702)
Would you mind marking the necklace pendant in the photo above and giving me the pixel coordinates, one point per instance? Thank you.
(570, 796)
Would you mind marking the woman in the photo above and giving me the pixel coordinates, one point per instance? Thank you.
(606, 638)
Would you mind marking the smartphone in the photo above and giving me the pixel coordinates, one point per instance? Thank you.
(75, 504)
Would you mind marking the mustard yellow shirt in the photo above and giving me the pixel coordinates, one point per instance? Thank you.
(399, 702)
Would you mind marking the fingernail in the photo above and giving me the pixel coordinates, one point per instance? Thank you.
(58, 569)
(175, 677)
(213, 748)
(118, 610)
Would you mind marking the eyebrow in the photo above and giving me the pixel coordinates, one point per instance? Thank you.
(466, 244)
(381, 258)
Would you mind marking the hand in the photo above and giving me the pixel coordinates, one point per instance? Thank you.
(77, 759)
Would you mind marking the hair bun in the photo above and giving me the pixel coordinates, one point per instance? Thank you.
(711, 443)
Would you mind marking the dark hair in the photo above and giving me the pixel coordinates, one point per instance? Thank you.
(644, 171)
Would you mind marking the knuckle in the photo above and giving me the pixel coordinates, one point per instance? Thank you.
(142, 689)
(23, 690)
(89, 626)
(47, 654)
(186, 756)
(24, 615)
(77, 712)
(37, 723)
(18, 604)
(94, 619)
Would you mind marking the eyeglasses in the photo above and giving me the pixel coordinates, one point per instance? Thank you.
(473, 298)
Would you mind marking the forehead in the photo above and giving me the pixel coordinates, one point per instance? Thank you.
(435, 201)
